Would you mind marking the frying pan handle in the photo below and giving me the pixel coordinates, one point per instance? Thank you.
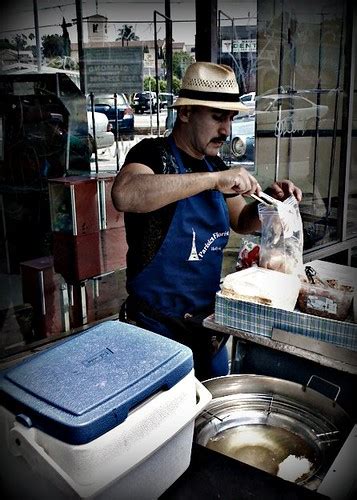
(337, 387)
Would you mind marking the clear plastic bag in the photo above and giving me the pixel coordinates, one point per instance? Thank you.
(281, 244)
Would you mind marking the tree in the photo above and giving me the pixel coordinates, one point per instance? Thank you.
(52, 46)
(150, 84)
(66, 39)
(5, 44)
(127, 34)
(162, 85)
(176, 84)
(180, 62)
(17, 42)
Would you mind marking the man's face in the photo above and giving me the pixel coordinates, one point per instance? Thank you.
(208, 128)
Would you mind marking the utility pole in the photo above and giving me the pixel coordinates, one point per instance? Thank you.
(168, 25)
(37, 34)
(206, 30)
(79, 16)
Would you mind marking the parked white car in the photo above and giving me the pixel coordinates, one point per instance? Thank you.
(248, 100)
(104, 137)
(287, 113)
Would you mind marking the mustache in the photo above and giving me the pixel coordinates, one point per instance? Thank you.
(220, 138)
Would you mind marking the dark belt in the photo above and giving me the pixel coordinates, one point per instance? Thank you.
(189, 330)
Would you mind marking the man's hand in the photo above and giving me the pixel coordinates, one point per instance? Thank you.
(237, 181)
(283, 189)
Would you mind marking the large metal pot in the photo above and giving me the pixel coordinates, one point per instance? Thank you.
(276, 425)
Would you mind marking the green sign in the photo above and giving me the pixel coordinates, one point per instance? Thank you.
(114, 69)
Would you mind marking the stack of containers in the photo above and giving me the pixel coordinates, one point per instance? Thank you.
(108, 413)
(75, 227)
(94, 299)
(88, 233)
(47, 292)
(89, 244)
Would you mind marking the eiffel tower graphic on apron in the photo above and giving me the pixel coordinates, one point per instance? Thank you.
(193, 255)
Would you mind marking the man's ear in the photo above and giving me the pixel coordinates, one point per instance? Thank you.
(184, 113)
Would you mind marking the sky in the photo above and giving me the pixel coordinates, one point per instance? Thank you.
(17, 16)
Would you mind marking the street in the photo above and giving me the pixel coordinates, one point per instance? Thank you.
(149, 121)
(145, 126)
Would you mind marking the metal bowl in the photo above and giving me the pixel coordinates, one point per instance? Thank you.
(275, 425)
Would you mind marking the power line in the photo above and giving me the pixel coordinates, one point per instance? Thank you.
(29, 29)
(139, 22)
(113, 22)
(52, 7)
(98, 22)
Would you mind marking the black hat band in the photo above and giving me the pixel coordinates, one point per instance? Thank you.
(202, 95)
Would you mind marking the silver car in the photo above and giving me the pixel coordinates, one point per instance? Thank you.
(104, 137)
(239, 146)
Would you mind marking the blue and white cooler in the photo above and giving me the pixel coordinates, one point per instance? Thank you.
(108, 413)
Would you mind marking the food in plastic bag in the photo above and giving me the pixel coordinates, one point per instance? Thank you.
(328, 298)
(281, 244)
(248, 255)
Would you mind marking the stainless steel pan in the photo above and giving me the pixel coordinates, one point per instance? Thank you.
(275, 425)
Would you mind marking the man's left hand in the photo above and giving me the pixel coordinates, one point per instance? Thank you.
(283, 189)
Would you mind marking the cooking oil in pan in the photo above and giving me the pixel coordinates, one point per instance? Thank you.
(272, 449)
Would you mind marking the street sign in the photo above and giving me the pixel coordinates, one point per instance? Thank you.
(248, 45)
(114, 69)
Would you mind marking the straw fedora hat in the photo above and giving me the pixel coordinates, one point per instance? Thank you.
(212, 85)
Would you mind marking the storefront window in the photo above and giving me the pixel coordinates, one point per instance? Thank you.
(352, 196)
(63, 246)
(238, 48)
(62, 259)
(299, 104)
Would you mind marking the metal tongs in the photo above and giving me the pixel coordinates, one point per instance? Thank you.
(269, 201)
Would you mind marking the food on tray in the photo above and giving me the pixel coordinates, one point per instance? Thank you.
(325, 298)
(262, 286)
(294, 468)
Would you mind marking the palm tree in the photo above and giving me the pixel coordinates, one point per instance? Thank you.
(127, 34)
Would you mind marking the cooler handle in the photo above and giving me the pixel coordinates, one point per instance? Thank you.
(203, 397)
(22, 443)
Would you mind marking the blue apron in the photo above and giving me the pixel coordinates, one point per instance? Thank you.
(184, 275)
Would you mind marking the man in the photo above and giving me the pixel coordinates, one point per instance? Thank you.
(180, 201)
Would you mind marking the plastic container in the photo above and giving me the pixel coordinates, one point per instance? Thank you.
(325, 301)
(106, 414)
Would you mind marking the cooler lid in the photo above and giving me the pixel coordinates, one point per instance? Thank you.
(83, 387)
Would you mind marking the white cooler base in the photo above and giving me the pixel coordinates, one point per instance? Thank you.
(138, 460)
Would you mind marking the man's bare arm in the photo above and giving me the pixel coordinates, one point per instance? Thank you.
(138, 189)
(243, 216)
